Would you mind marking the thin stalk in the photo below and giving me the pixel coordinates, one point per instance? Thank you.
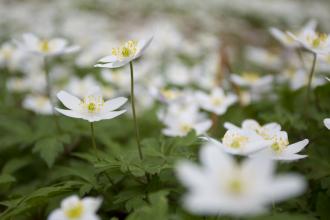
(137, 135)
(96, 154)
(310, 77)
(49, 93)
(93, 139)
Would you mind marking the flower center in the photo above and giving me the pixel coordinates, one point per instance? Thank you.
(185, 127)
(44, 46)
(234, 140)
(318, 40)
(216, 101)
(75, 212)
(93, 104)
(250, 76)
(129, 49)
(235, 186)
(279, 144)
(168, 94)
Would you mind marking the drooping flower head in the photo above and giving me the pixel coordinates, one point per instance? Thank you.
(124, 54)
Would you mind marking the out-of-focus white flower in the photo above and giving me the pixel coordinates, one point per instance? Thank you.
(216, 102)
(10, 56)
(27, 83)
(263, 57)
(221, 186)
(117, 78)
(318, 43)
(286, 39)
(252, 79)
(92, 108)
(241, 142)
(74, 208)
(38, 103)
(179, 74)
(124, 54)
(298, 78)
(180, 120)
(81, 87)
(280, 149)
(327, 123)
(166, 95)
(45, 47)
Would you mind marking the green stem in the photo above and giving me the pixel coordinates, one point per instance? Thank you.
(137, 135)
(49, 93)
(93, 139)
(310, 77)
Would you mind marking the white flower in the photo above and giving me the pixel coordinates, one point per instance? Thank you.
(263, 57)
(241, 142)
(327, 123)
(280, 149)
(81, 86)
(265, 131)
(286, 39)
(165, 95)
(298, 78)
(180, 120)
(216, 102)
(252, 79)
(124, 54)
(318, 43)
(221, 186)
(38, 103)
(74, 208)
(45, 47)
(92, 108)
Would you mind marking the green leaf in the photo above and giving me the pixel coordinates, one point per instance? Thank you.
(49, 149)
(5, 179)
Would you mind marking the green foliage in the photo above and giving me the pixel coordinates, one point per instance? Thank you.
(40, 165)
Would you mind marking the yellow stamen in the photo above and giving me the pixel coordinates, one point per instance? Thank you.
(75, 212)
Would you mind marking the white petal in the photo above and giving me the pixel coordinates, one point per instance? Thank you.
(230, 126)
(113, 104)
(92, 204)
(108, 59)
(258, 168)
(57, 214)
(296, 147)
(327, 123)
(190, 174)
(214, 159)
(69, 113)
(90, 216)
(72, 49)
(110, 115)
(68, 100)
(114, 64)
(69, 201)
(143, 45)
(202, 127)
(286, 186)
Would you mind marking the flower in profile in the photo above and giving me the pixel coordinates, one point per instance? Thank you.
(241, 142)
(221, 186)
(216, 102)
(74, 208)
(280, 149)
(180, 120)
(92, 108)
(327, 123)
(38, 103)
(124, 54)
(315, 42)
(252, 79)
(45, 47)
(286, 39)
